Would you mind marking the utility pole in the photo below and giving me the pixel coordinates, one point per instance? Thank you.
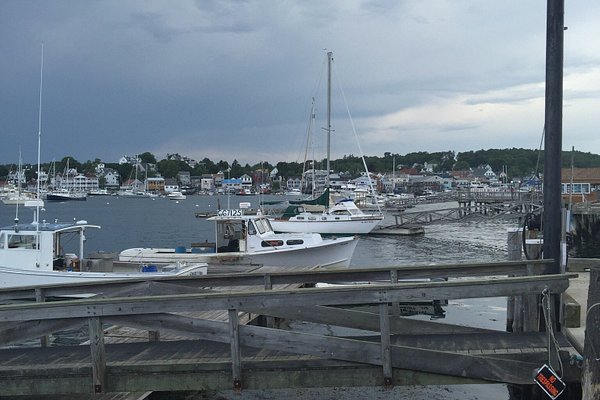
(553, 133)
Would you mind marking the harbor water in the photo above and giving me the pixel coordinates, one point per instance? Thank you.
(160, 222)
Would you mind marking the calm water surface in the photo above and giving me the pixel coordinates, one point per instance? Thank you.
(162, 222)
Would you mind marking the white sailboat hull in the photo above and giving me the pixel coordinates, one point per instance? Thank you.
(327, 226)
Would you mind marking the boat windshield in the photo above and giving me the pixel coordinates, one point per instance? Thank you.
(19, 241)
(263, 225)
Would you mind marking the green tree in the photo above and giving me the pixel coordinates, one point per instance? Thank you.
(169, 168)
(222, 166)
(460, 166)
(89, 167)
(147, 158)
(73, 163)
(236, 169)
(126, 171)
(209, 166)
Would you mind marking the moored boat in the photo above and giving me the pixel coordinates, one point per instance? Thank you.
(176, 195)
(250, 239)
(65, 195)
(33, 254)
(316, 215)
(343, 218)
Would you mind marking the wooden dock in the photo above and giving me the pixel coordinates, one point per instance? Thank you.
(466, 211)
(216, 350)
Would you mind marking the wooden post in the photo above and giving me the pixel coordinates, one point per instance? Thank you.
(236, 353)
(98, 355)
(154, 336)
(40, 298)
(395, 304)
(531, 308)
(269, 320)
(386, 355)
(590, 378)
(514, 245)
(525, 310)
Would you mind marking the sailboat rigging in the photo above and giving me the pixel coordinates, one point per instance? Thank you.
(344, 217)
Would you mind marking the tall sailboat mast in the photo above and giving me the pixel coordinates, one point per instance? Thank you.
(328, 128)
(40, 125)
(38, 201)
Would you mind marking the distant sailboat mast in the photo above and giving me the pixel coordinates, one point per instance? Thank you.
(328, 128)
(37, 206)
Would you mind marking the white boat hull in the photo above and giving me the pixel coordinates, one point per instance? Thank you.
(327, 227)
(17, 278)
(335, 252)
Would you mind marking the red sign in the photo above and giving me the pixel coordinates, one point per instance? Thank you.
(547, 379)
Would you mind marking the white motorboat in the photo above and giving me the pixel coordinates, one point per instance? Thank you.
(33, 254)
(176, 195)
(250, 239)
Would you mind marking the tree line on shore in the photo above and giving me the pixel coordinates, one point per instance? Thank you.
(517, 162)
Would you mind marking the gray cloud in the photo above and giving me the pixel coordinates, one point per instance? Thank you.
(234, 79)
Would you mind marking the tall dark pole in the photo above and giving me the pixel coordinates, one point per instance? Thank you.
(553, 132)
(329, 61)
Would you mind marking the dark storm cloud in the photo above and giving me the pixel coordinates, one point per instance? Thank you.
(233, 79)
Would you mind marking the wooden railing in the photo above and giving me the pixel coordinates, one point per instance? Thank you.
(157, 305)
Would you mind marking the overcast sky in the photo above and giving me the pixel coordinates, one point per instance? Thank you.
(234, 79)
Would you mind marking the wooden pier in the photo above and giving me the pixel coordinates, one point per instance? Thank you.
(229, 332)
(467, 210)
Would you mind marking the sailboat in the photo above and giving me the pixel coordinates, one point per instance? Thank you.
(134, 192)
(16, 196)
(64, 193)
(316, 215)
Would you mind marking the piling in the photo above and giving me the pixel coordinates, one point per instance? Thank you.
(514, 246)
(590, 379)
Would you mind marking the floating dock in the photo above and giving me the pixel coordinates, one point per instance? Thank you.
(401, 230)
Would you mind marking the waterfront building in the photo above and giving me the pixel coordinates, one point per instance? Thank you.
(184, 178)
(207, 183)
(156, 184)
(127, 159)
(485, 174)
(293, 183)
(585, 183)
(246, 181)
(112, 180)
(76, 182)
(231, 185)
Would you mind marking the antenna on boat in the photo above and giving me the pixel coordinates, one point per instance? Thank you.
(19, 170)
(38, 202)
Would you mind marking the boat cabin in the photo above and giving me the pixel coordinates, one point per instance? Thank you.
(249, 233)
(41, 246)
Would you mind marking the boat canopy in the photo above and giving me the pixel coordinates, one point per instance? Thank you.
(322, 200)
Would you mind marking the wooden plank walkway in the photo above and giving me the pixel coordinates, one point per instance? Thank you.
(464, 212)
(217, 354)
